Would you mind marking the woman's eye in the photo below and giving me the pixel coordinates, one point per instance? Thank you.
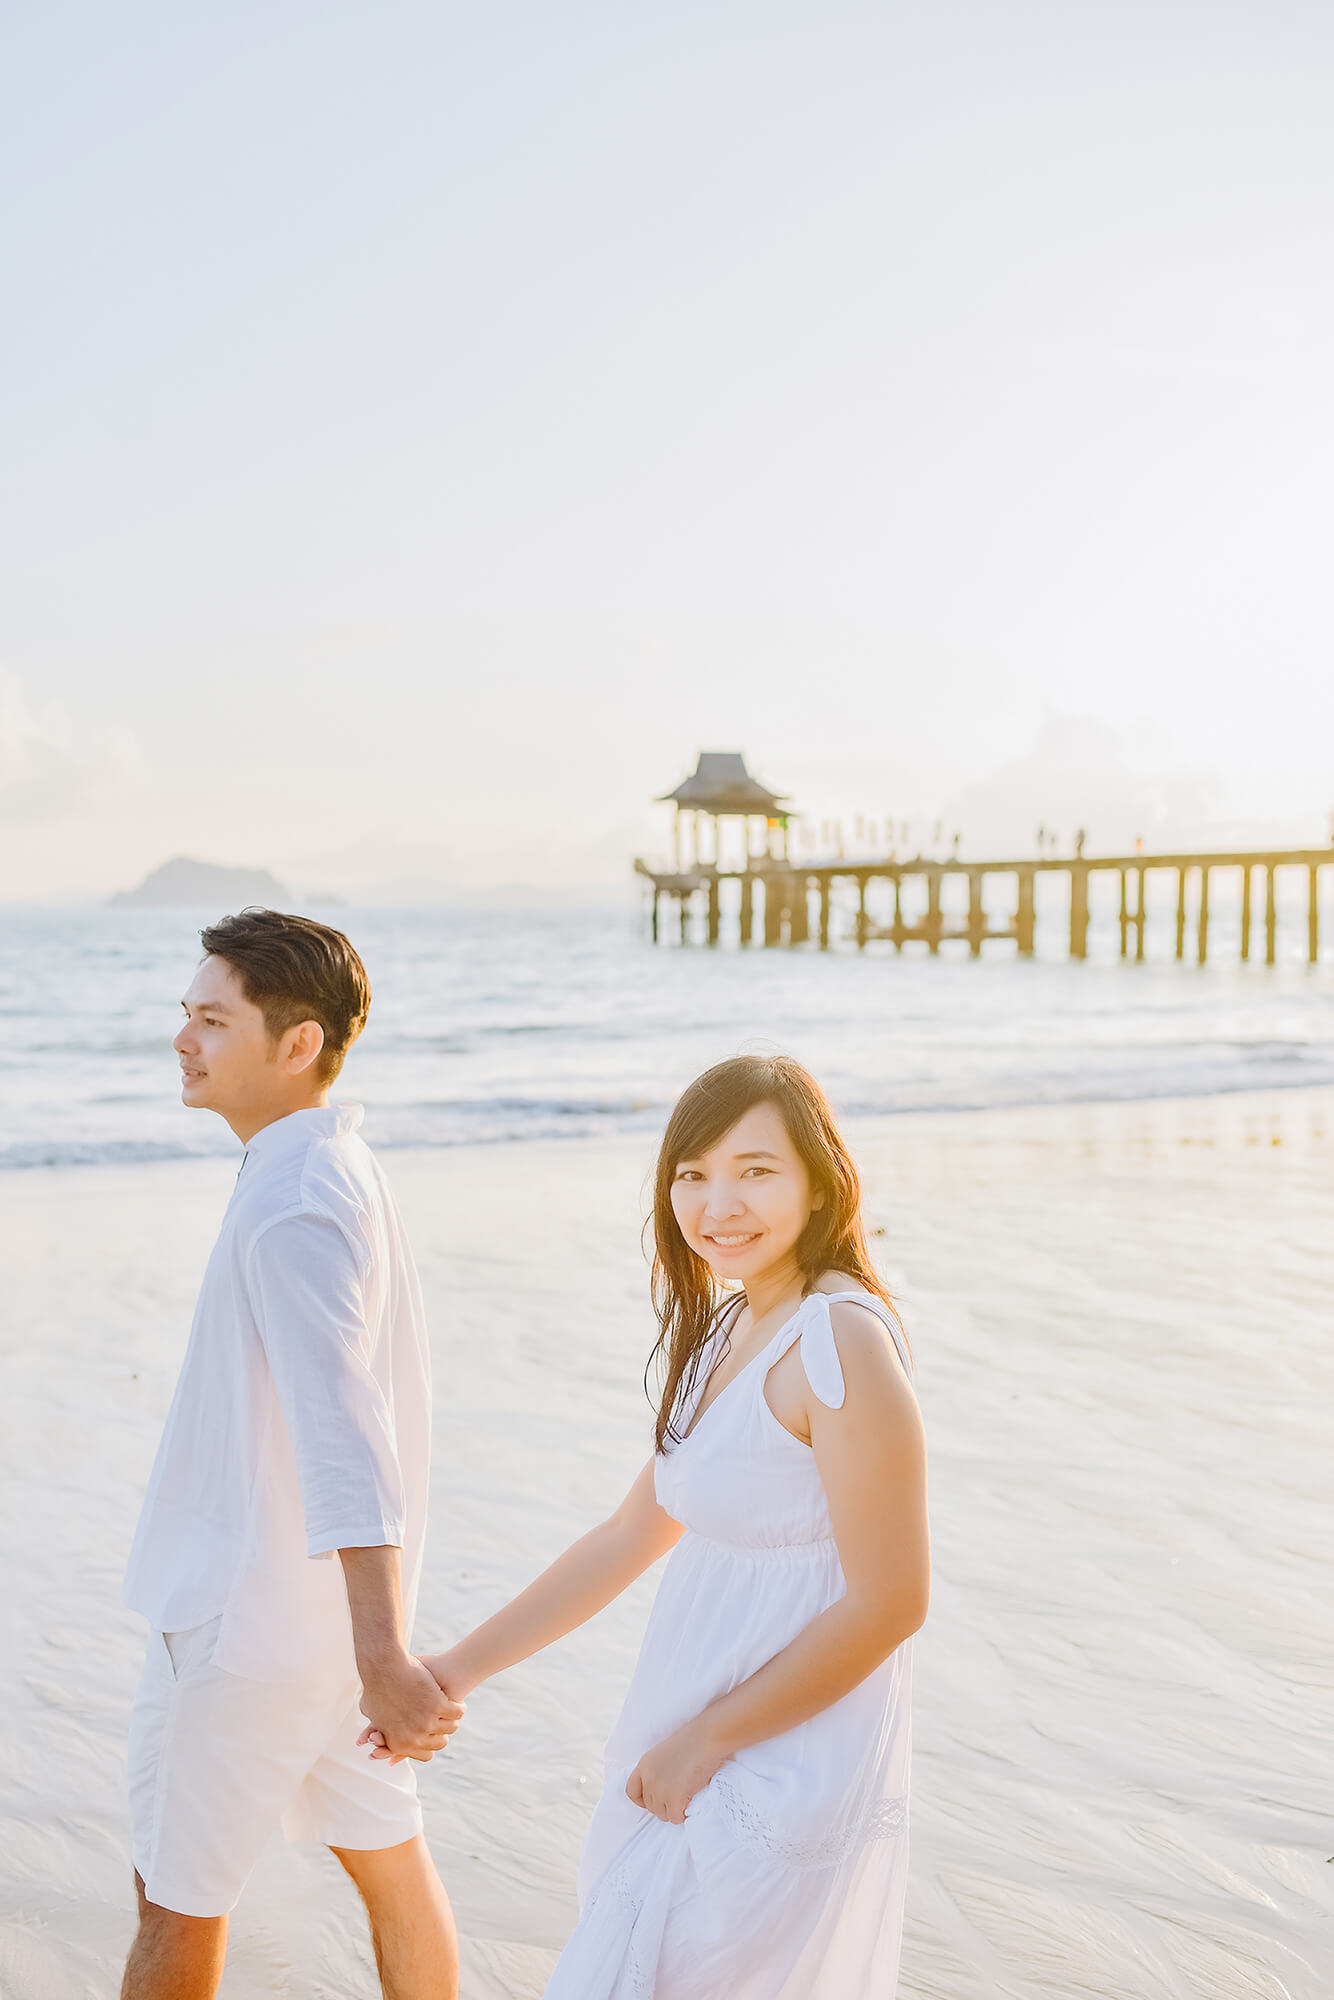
(687, 1174)
(757, 1170)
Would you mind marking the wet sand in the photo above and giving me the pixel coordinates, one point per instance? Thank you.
(1124, 1764)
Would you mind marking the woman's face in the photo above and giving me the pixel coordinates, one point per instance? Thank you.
(743, 1205)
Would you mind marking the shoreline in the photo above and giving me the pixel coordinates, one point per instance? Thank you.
(163, 1156)
(1119, 1312)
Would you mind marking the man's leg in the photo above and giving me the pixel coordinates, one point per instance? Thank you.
(174, 1957)
(412, 1925)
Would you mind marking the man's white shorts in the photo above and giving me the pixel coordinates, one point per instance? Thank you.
(217, 1762)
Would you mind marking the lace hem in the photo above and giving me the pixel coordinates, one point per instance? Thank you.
(885, 1820)
(635, 1967)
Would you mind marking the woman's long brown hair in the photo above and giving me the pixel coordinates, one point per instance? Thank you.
(687, 1298)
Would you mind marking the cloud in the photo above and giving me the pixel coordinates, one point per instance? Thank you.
(1079, 775)
(50, 767)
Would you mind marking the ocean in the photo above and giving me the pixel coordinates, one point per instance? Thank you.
(491, 1025)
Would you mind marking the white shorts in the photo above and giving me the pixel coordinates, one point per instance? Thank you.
(217, 1762)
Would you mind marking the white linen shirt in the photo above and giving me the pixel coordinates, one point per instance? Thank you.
(301, 1419)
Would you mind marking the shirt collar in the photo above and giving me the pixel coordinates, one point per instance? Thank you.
(300, 1128)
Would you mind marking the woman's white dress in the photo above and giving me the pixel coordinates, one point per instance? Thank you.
(786, 1881)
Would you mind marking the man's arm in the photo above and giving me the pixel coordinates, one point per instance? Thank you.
(399, 1697)
(307, 1288)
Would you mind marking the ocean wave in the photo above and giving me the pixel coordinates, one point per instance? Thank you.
(442, 1126)
(429, 1123)
(23, 1155)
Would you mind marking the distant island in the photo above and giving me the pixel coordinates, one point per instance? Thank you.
(196, 882)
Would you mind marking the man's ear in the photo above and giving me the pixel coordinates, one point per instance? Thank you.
(305, 1045)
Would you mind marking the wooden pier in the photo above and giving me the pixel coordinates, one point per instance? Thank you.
(787, 902)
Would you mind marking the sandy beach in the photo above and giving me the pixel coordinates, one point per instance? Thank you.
(1124, 1763)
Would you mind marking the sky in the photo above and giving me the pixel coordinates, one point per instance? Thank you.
(428, 426)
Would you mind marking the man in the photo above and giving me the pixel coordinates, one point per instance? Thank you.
(278, 1551)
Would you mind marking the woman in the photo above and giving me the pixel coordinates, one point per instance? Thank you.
(750, 1843)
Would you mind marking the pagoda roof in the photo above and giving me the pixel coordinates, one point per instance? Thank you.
(720, 783)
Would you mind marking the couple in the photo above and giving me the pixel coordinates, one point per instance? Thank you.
(750, 1842)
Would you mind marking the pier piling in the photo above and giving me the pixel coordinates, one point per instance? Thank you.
(934, 919)
(1079, 911)
(1025, 920)
(1245, 913)
(977, 921)
(1140, 915)
(799, 911)
(773, 912)
(791, 916)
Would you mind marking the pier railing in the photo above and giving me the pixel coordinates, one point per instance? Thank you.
(791, 903)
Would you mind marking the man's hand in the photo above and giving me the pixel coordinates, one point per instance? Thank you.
(405, 1707)
(452, 1681)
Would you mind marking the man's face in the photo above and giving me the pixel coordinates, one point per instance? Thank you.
(228, 1062)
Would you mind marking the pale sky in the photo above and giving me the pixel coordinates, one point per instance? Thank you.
(427, 426)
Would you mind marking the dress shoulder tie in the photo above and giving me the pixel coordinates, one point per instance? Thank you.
(819, 1353)
(819, 1349)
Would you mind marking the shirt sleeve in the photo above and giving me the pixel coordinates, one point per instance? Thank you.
(308, 1294)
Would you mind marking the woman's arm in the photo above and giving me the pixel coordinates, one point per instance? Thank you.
(872, 1462)
(578, 1584)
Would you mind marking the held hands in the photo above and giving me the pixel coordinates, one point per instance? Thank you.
(667, 1777)
(407, 1712)
(445, 1684)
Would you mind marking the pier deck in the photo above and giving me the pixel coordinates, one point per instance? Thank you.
(785, 902)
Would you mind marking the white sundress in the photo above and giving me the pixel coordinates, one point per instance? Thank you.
(786, 1881)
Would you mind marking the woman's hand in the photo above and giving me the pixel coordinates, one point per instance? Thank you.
(666, 1778)
(451, 1670)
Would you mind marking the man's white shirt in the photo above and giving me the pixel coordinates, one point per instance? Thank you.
(301, 1420)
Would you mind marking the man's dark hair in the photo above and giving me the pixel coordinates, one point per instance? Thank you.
(294, 970)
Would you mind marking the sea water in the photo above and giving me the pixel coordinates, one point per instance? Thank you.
(498, 1024)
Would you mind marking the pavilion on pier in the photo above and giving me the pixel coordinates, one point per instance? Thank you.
(720, 787)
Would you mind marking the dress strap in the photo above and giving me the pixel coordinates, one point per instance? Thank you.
(819, 1350)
